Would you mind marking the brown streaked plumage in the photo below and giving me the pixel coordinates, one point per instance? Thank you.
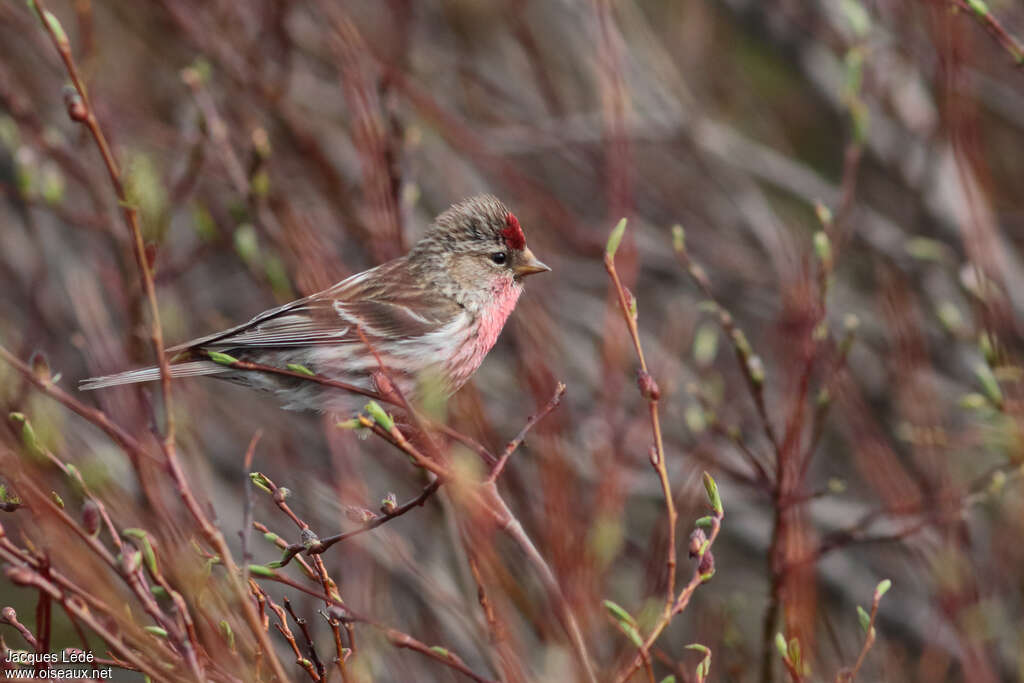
(438, 310)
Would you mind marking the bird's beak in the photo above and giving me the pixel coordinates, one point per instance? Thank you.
(529, 264)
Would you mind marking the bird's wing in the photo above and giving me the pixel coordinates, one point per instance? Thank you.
(382, 302)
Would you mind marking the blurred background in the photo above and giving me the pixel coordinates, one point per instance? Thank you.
(847, 174)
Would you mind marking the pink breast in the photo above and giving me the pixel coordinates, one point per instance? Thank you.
(479, 342)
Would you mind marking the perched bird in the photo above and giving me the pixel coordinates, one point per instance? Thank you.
(434, 313)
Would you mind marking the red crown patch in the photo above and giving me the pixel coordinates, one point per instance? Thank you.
(513, 233)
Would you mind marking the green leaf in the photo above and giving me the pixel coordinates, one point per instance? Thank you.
(618, 612)
(989, 383)
(713, 496)
(678, 238)
(704, 522)
(857, 17)
(780, 645)
(53, 24)
(823, 248)
(221, 358)
(626, 622)
(380, 416)
(301, 369)
(28, 436)
(443, 651)
(705, 344)
(261, 570)
(148, 556)
(156, 631)
(260, 481)
(615, 239)
(864, 617)
(979, 7)
(225, 628)
(882, 588)
(823, 213)
(703, 649)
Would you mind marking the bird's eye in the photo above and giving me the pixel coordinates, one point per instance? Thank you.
(499, 257)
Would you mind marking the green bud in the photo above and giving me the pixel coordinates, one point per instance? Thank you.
(261, 570)
(260, 481)
(864, 617)
(221, 358)
(979, 7)
(53, 24)
(148, 556)
(615, 239)
(301, 369)
(705, 344)
(379, 416)
(823, 213)
(823, 248)
(678, 238)
(780, 645)
(713, 496)
(229, 635)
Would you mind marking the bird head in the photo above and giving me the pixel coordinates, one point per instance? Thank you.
(480, 245)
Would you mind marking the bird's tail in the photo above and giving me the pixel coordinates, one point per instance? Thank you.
(194, 368)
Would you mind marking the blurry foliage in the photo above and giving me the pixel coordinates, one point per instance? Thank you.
(837, 340)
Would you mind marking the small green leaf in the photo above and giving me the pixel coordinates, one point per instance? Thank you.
(864, 617)
(301, 369)
(443, 651)
(705, 344)
(380, 416)
(221, 358)
(618, 613)
(58, 501)
(53, 24)
(156, 631)
(247, 245)
(704, 522)
(260, 481)
(678, 238)
(755, 366)
(703, 649)
(713, 496)
(989, 383)
(626, 622)
(261, 570)
(857, 17)
(823, 248)
(794, 652)
(882, 588)
(979, 7)
(28, 436)
(615, 239)
(225, 628)
(148, 556)
(780, 645)
(823, 213)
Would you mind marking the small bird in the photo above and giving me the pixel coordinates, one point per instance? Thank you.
(435, 312)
